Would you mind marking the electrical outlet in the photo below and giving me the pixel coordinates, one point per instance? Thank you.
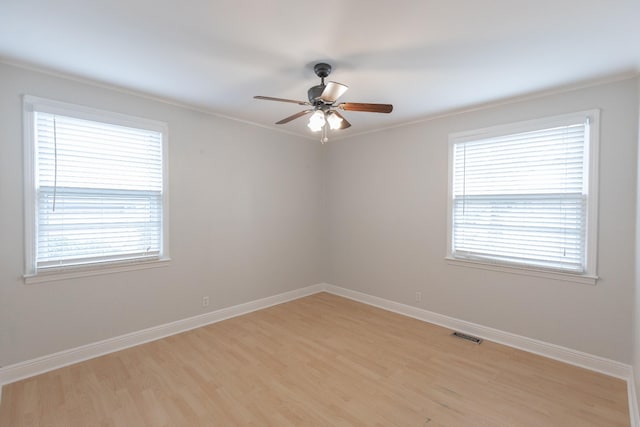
(418, 296)
(205, 301)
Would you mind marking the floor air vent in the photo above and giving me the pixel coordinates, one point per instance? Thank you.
(471, 338)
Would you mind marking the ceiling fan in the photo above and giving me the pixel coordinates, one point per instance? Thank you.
(322, 100)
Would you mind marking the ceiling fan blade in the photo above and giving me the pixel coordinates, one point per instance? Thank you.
(333, 91)
(293, 117)
(270, 98)
(345, 123)
(371, 108)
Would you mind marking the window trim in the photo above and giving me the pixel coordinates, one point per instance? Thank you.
(592, 160)
(32, 275)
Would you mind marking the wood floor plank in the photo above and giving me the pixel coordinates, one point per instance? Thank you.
(317, 361)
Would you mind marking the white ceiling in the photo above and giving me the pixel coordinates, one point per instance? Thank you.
(423, 56)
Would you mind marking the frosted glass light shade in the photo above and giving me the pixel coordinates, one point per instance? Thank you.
(316, 121)
(335, 121)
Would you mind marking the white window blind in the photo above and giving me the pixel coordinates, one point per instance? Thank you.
(523, 198)
(98, 192)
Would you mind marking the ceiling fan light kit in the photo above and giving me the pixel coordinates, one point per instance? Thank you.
(319, 119)
(322, 99)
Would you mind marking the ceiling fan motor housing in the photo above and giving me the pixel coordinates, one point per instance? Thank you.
(314, 94)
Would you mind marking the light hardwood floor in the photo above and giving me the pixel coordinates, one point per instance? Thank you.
(320, 360)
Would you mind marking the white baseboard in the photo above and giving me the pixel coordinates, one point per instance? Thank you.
(29, 368)
(563, 354)
(552, 351)
(634, 415)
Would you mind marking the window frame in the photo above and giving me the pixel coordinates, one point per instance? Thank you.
(31, 104)
(589, 276)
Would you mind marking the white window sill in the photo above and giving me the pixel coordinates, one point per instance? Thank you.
(526, 271)
(93, 270)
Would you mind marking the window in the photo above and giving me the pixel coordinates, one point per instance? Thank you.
(525, 196)
(95, 189)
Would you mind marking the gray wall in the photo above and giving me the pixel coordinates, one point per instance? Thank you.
(388, 207)
(245, 218)
(254, 213)
(636, 311)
